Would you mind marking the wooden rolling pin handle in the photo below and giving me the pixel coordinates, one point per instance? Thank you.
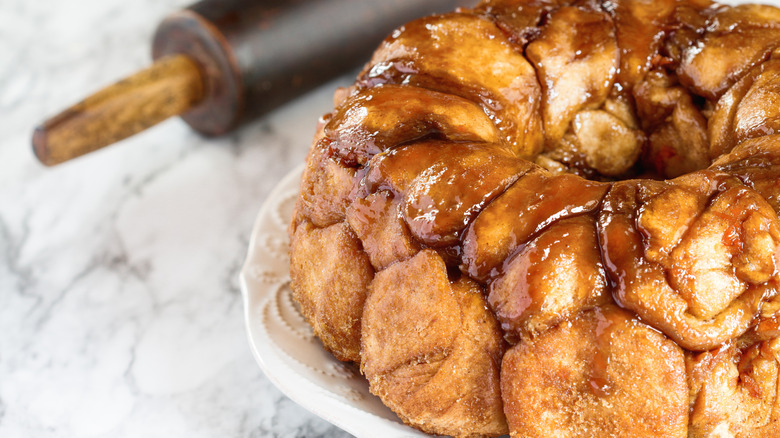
(169, 87)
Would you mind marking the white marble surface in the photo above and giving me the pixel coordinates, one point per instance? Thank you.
(120, 313)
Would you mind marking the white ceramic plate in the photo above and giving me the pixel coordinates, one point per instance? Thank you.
(282, 342)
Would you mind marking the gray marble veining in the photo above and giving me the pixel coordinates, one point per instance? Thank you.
(120, 312)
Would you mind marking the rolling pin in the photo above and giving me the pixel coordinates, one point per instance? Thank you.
(220, 63)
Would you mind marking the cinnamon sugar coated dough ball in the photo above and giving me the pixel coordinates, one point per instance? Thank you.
(431, 349)
(556, 218)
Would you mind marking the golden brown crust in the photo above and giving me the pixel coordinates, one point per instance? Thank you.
(603, 374)
(431, 350)
(326, 189)
(377, 221)
(330, 276)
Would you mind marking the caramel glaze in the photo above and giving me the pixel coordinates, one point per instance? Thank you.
(605, 326)
(455, 54)
(553, 277)
(443, 126)
(647, 287)
(534, 202)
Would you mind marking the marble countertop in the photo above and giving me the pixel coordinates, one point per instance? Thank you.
(120, 309)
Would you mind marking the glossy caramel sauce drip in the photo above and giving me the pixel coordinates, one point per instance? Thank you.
(447, 195)
(406, 72)
(379, 118)
(598, 378)
(530, 205)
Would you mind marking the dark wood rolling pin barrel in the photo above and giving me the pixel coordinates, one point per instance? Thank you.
(219, 63)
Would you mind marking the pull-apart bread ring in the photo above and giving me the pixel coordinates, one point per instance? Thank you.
(556, 218)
